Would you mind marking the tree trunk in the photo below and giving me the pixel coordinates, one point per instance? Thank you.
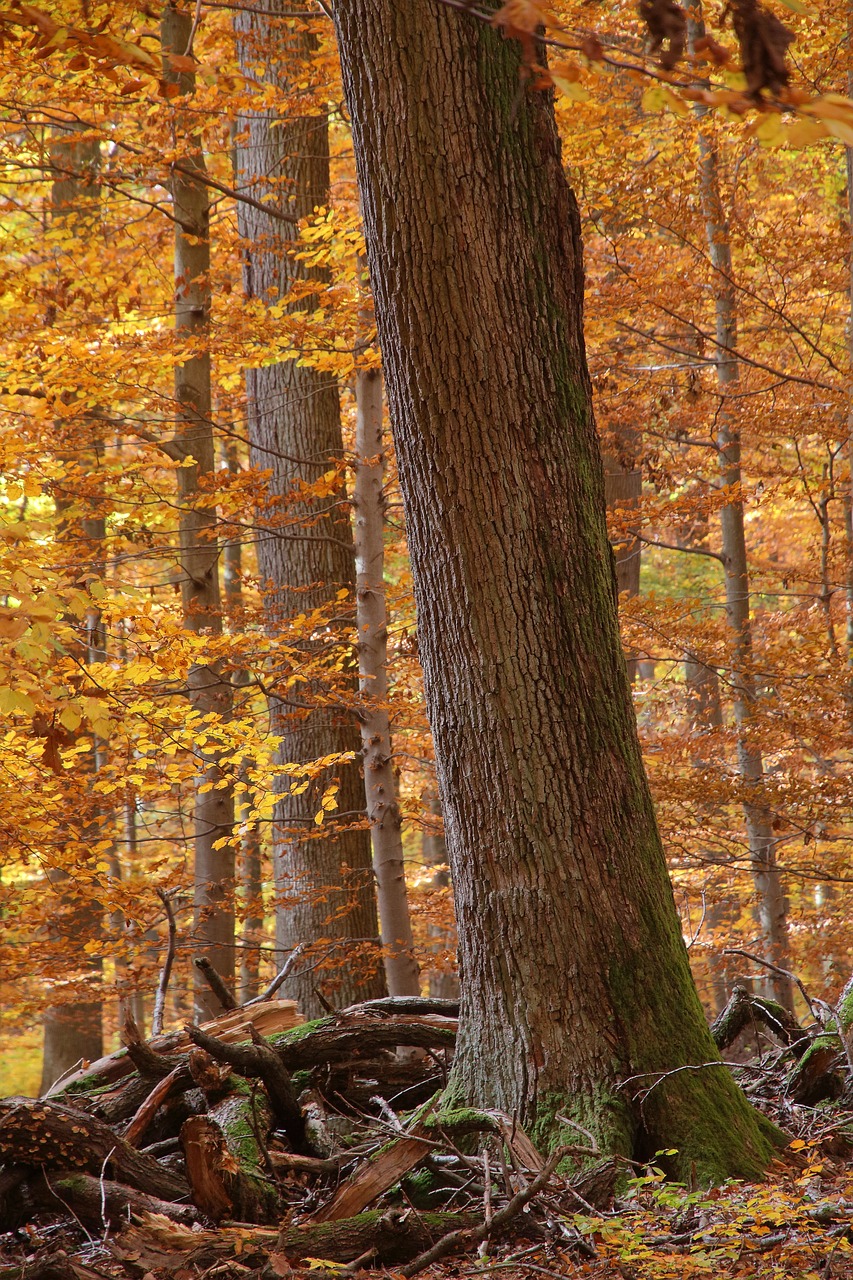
(213, 919)
(324, 881)
(771, 904)
(73, 1032)
(575, 977)
(250, 877)
(623, 489)
(380, 778)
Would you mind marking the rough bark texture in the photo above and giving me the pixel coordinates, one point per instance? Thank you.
(380, 778)
(213, 922)
(771, 906)
(324, 881)
(575, 977)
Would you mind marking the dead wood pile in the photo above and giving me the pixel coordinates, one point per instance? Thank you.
(259, 1142)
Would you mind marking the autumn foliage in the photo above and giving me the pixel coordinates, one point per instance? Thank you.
(100, 751)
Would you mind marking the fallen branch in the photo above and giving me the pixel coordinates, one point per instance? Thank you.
(473, 1235)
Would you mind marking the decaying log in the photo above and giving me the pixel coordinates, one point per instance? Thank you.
(393, 1237)
(420, 1006)
(37, 1132)
(225, 1156)
(206, 1155)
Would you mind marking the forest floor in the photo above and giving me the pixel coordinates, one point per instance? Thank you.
(194, 1160)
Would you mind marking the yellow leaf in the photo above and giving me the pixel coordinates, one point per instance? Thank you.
(796, 1145)
(70, 719)
(802, 133)
(660, 98)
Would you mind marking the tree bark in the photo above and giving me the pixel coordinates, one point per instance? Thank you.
(575, 977)
(380, 778)
(324, 885)
(209, 691)
(73, 1032)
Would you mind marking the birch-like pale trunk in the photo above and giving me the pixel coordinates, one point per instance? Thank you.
(209, 691)
(380, 779)
(770, 895)
(325, 895)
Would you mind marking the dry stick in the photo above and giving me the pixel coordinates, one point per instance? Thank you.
(280, 978)
(473, 1235)
(216, 983)
(166, 972)
(768, 964)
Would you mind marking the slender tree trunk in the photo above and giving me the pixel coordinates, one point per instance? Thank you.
(443, 984)
(380, 778)
(250, 882)
(74, 1032)
(771, 903)
(324, 880)
(575, 978)
(848, 505)
(213, 922)
(623, 488)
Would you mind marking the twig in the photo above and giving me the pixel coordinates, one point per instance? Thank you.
(487, 1198)
(280, 978)
(166, 971)
(768, 964)
(216, 983)
(473, 1235)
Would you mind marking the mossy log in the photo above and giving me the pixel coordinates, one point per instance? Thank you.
(744, 1009)
(39, 1133)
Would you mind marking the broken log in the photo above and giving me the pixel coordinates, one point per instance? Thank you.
(397, 1158)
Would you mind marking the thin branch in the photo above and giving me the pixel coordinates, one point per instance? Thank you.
(280, 978)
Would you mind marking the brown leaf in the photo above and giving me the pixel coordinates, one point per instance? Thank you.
(763, 41)
(667, 26)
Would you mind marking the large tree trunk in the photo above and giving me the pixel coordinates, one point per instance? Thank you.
(575, 977)
(324, 886)
(209, 691)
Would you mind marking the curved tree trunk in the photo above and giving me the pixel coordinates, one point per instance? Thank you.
(324, 881)
(575, 977)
